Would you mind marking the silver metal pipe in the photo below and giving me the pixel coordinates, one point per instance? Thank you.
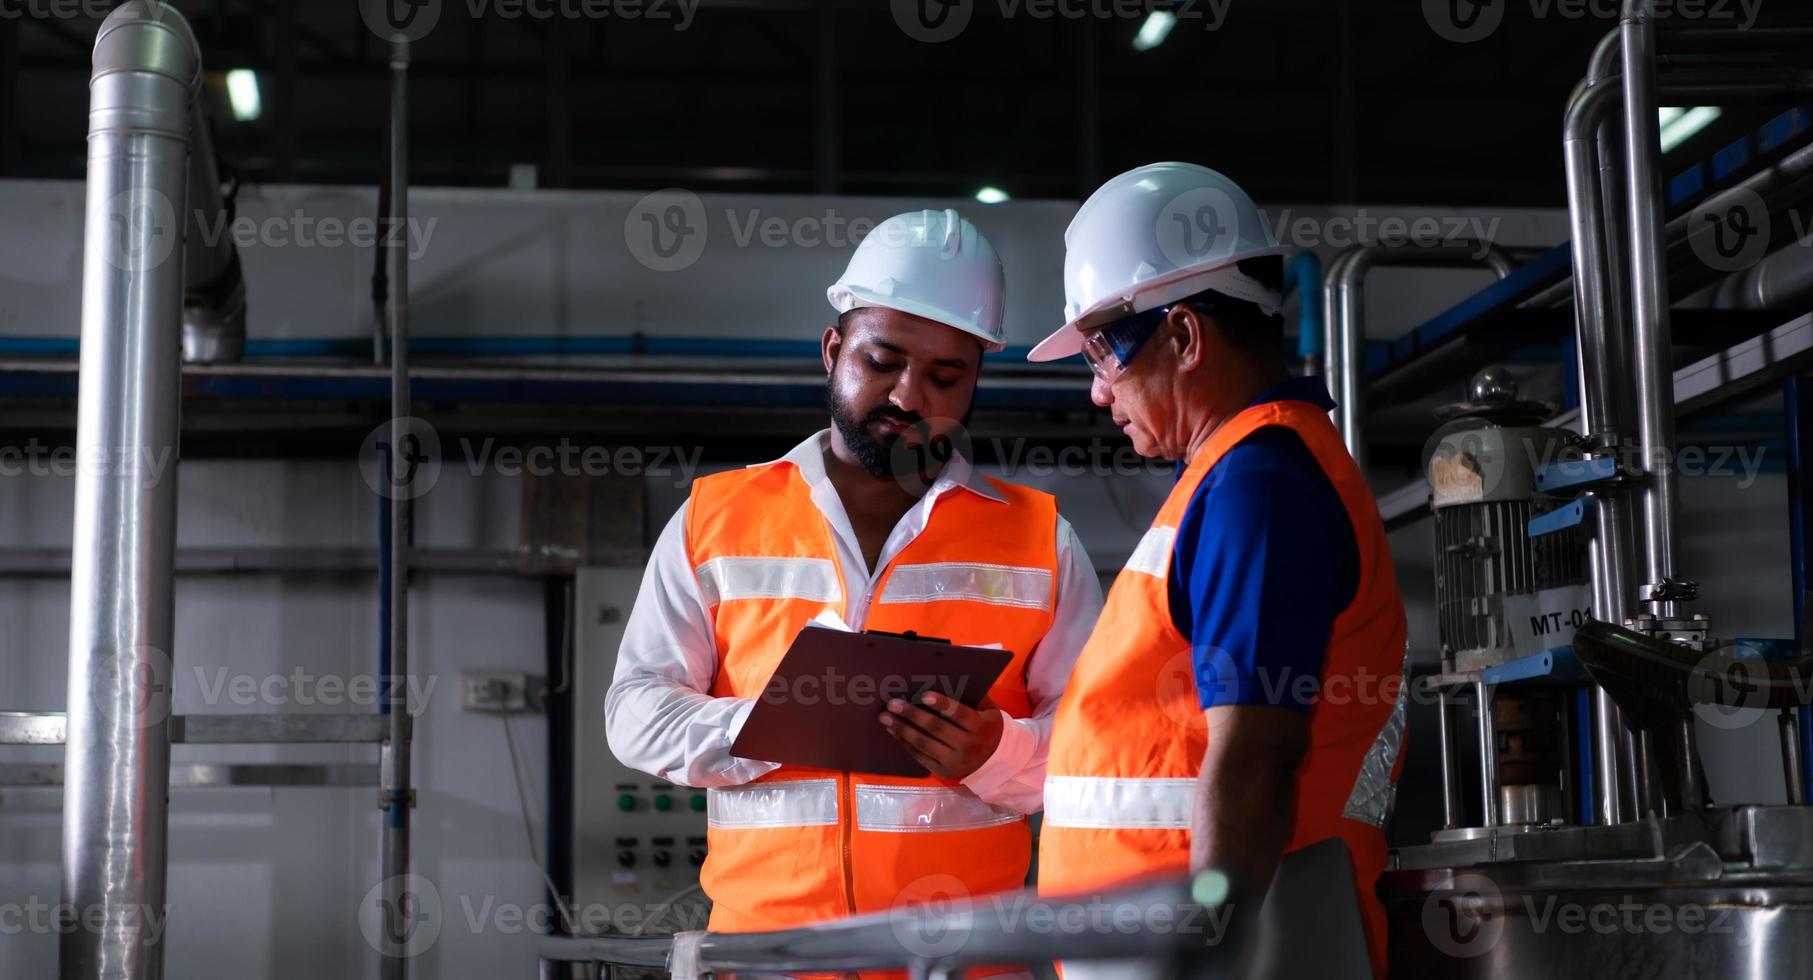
(1602, 412)
(147, 67)
(1331, 340)
(1789, 728)
(1692, 776)
(1488, 756)
(1345, 311)
(1649, 303)
(1649, 776)
(1447, 733)
(1612, 776)
(398, 794)
(214, 294)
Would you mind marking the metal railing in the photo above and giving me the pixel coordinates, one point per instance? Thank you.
(1183, 925)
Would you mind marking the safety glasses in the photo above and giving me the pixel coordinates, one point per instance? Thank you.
(1111, 348)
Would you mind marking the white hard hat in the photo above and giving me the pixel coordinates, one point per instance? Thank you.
(1151, 236)
(932, 264)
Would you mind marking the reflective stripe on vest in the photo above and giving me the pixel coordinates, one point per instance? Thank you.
(1375, 793)
(1153, 554)
(1116, 801)
(813, 803)
(735, 577)
(1000, 585)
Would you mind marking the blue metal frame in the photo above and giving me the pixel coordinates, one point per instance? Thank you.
(1684, 190)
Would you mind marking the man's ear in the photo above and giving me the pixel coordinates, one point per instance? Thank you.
(1189, 332)
(829, 345)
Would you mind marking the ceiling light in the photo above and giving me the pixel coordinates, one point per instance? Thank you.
(242, 92)
(1685, 123)
(991, 195)
(1153, 32)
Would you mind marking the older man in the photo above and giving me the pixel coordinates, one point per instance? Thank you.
(1240, 697)
(839, 525)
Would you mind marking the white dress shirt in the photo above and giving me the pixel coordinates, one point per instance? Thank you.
(661, 719)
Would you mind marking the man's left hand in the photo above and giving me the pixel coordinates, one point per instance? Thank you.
(948, 737)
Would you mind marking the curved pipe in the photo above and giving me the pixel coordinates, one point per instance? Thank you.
(214, 294)
(1345, 296)
(1304, 274)
(1650, 334)
(147, 68)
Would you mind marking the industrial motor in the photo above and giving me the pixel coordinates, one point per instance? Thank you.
(1501, 594)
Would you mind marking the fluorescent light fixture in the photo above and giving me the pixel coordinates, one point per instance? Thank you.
(991, 195)
(242, 91)
(1153, 32)
(1684, 123)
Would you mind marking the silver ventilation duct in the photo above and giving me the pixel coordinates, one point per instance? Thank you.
(147, 68)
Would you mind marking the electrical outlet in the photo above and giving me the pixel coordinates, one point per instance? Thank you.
(501, 692)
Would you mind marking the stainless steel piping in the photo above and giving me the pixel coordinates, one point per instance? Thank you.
(398, 796)
(1649, 305)
(1331, 335)
(1346, 308)
(147, 67)
(214, 296)
(1602, 414)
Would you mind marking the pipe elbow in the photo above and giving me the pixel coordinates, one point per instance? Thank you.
(148, 36)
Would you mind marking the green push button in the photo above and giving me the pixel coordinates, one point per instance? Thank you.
(626, 802)
(698, 804)
(664, 803)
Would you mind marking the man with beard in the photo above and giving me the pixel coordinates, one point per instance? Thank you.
(874, 521)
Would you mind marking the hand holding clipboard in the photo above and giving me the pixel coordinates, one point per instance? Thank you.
(822, 705)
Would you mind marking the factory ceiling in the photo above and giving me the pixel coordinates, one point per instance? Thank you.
(1443, 101)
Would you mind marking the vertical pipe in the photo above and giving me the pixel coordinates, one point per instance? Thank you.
(1790, 740)
(117, 754)
(1692, 777)
(1649, 780)
(1488, 756)
(1304, 275)
(1345, 303)
(1797, 409)
(1587, 799)
(1351, 308)
(1447, 733)
(397, 791)
(1649, 301)
(1602, 371)
(1332, 362)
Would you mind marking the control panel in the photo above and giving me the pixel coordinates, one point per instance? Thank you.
(638, 841)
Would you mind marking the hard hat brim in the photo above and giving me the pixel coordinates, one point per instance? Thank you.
(1067, 341)
(845, 298)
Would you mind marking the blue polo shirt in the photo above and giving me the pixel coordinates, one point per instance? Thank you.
(1264, 561)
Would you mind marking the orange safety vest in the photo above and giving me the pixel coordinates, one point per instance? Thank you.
(798, 845)
(1129, 737)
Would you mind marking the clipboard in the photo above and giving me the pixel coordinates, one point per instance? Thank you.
(819, 709)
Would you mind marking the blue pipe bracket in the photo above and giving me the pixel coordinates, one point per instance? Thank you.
(1564, 475)
(1578, 513)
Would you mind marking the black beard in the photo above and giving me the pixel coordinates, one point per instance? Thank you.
(871, 453)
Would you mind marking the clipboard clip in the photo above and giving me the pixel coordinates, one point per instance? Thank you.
(908, 635)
